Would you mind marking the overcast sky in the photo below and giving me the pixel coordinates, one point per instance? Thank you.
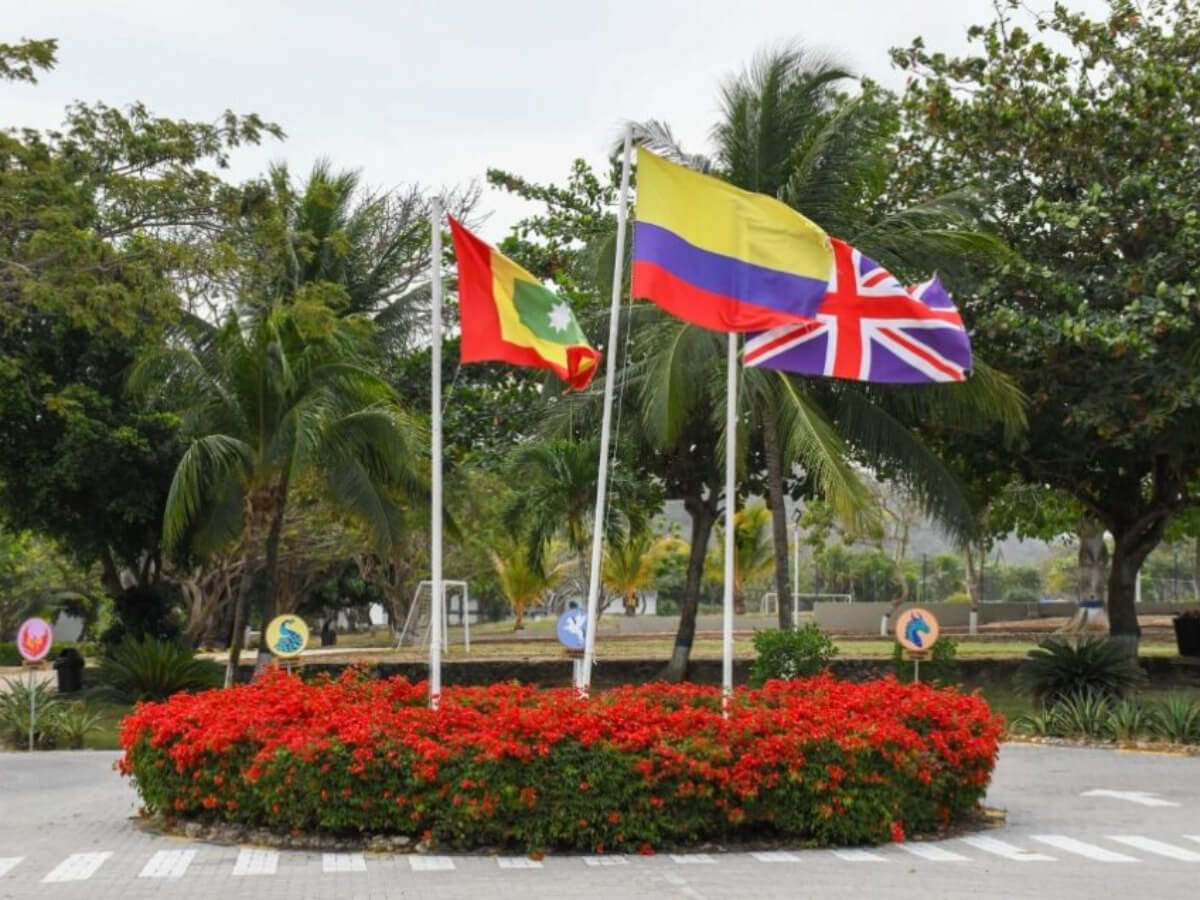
(437, 92)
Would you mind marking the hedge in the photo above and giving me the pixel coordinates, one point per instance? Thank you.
(815, 761)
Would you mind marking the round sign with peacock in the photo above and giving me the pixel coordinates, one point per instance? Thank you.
(917, 629)
(287, 636)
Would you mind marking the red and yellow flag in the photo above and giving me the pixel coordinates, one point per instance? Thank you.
(507, 315)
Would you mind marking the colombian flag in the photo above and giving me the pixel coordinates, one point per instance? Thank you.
(507, 315)
(723, 258)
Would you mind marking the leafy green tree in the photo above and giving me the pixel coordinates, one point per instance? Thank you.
(37, 578)
(268, 403)
(753, 552)
(107, 225)
(1083, 143)
(630, 565)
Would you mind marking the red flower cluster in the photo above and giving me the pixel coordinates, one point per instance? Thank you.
(819, 760)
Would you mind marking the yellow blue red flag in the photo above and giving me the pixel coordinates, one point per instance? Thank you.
(723, 258)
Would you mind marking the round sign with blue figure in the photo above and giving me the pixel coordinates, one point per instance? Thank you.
(286, 636)
(571, 629)
(917, 629)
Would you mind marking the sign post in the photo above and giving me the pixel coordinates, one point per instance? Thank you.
(572, 634)
(917, 631)
(34, 639)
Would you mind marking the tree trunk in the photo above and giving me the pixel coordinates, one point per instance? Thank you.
(1093, 560)
(704, 514)
(519, 624)
(779, 536)
(974, 582)
(1132, 544)
(1196, 570)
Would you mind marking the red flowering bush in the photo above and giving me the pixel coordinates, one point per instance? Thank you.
(813, 761)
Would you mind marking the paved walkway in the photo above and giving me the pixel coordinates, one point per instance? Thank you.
(1081, 823)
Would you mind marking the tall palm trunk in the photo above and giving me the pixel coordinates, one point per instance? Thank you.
(270, 602)
(775, 500)
(704, 514)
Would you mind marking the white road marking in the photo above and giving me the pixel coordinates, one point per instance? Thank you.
(684, 888)
(431, 863)
(8, 863)
(858, 856)
(1081, 848)
(776, 856)
(1005, 849)
(256, 862)
(685, 859)
(1144, 798)
(932, 853)
(1159, 847)
(168, 864)
(518, 862)
(77, 867)
(606, 860)
(343, 862)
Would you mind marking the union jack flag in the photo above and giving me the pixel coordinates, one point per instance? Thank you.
(869, 327)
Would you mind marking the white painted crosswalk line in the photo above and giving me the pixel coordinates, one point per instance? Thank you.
(431, 863)
(1005, 849)
(8, 863)
(343, 862)
(606, 860)
(686, 859)
(1193, 837)
(858, 856)
(168, 864)
(77, 867)
(256, 862)
(933, 854)
(776, 856)
(518, 862)
(1082, 848)
(1160, 847)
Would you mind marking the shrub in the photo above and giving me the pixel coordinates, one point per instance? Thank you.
(11, 656)
(72, 723)
(1083, 715)
(783, 655)
(941, 667)
(631, 769)
(150, 669)
(1176, 719)
(14, 714)
(1057, 669)
(957, 597)
(1022, 595)
(1130, 720)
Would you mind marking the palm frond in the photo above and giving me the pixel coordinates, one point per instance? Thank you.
(206, 470)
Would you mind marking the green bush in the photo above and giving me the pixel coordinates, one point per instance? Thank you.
(957, 597)
(11, 656)
(941, 667)
(1083, 715)
(14, 714)
(72, 723)
(150, 669)
(1057, 669)
(1176, 719)
(1021, 595)
(1130, 720)
(784, 655)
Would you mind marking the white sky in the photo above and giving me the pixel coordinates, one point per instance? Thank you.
(437, 92)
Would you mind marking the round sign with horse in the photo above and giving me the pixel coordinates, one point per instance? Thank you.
(917, 629)
(287, 636)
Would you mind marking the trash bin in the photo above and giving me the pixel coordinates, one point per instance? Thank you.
(69, 667)
(328, 635)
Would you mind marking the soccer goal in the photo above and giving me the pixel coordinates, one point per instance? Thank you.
(418, 624)
(770, 601)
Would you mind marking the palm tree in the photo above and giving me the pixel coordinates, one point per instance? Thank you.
(753, 552)
(557, 493)
(785, 130)
(277, 398)
(523, 582)
(629, 565)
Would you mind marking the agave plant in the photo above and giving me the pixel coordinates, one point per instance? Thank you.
(1130, 720)
(150, 669)
(1085, 714)
(1058, 669)
(1177, 719)
(15, 721)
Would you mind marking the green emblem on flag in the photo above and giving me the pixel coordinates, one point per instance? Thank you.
(546, 314)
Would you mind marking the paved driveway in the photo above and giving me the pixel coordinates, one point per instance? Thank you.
(1081, 824)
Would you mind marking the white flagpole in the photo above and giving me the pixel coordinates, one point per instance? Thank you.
(610, 350)
(731, 376)
(435, 454)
